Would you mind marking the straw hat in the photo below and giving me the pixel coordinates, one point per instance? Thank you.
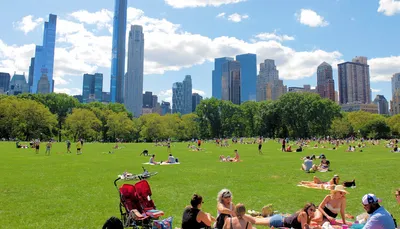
(339, 188)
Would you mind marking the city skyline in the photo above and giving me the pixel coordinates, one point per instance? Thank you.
(298, 48)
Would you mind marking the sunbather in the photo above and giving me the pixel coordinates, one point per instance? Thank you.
(331, 206)
(299, 220)
(317, 183)
(238, 222)
(152, 160)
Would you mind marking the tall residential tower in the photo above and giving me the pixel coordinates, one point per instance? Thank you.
(248, 76)
(134, 76)
(325, 82)
(118, 52)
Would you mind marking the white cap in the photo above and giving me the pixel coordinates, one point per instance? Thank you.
(370, 199)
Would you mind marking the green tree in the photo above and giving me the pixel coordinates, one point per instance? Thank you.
(394, 124)
(341, 127)
(83, 123)
(209, 116)
(119, 125)
(376, 128)
(190, 126)
(251, 123)
(151, 126)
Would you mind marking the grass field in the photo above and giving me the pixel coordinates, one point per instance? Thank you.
(77, 191)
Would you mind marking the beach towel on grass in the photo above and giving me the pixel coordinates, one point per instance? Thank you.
(323, 186)
(147, 163)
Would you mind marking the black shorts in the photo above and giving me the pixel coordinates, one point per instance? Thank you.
(199, 144)
(259, 147)
(37, 147)
(78, 149)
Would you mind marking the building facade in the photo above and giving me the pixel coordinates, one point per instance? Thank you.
(43, 85)
(44, 55)
(148, 99)
(395, 101)
(382, 103)
(269, 87)
(177, 98)
(371, 108)
(18, 85)
(118, 52)
(31, 72)
(134, 76)
(231, 82)
(196, 99)
(4, 82)
(248, 76)
(325, 82)
(165, 108)
(92, 88)
(395, 83)
(217, 76)
(354, 82)
(187, 94)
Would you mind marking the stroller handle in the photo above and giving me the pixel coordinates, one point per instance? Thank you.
(115, 182)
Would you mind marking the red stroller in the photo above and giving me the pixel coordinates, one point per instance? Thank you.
(136, 206)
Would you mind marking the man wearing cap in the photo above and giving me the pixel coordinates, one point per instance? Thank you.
(379, 218)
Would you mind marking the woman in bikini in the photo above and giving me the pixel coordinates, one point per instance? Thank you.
(238, 222)
(317, 183)
(331, 206)
(299, 220)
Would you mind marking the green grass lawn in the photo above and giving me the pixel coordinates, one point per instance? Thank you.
(77, 191)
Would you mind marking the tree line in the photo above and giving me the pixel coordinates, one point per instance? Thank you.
(296, 115)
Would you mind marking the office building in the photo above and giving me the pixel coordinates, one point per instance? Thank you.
(106, 97)
(269, 86)
(354, 82)
(371, 108)
(325, 82)
(177, 98)
(383, 105)
(31, 73)
(118, 52)
(231, 82)
(148, 99)
(92, 89)
(43, 85)
(248, 76)
(134, 75)
(196, 99)
(217, 76)
(4, 82)
(187, 94)
(43, 62)
(18, 85)
(165, 108)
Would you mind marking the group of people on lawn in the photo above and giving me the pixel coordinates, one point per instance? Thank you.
(230, 216)
(171, 160)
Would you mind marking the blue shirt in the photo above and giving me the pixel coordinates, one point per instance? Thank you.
(308, 163)
(380, 219)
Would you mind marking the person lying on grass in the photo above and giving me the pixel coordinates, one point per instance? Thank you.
(317, 183)
(222, 158)
(331, 206)
(299, 220)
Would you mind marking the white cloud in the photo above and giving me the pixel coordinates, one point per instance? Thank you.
(200, 92)
(311, 18)
(274, 36)
(69, 91)
(389, 7)
(100, 18)
(237, 17)
(383, 68)
(165, 93)
(199, 3)
(27, 24)
(375, 90)
(221, 15)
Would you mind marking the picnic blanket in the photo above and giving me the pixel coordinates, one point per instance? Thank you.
(176, 163)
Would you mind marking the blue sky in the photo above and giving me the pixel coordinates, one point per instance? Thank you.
(183, 36)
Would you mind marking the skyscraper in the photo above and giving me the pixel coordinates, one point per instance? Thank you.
(196, 99)
(165, 108)
(134, 75)
(92, 89)
(231, 88)
(4, 82)
(18, 85)
(354, 82)
(118, 52)
(31, 72)
(269, 86)
(148, 99)
(182, 96)
(395, 101)
(395, 83)
(383, 106)
(248, 76)
(44, 55)
(43, 85)
(187, 95)
(217, 76)
(325, 82)
(155, 101)
(177, 98)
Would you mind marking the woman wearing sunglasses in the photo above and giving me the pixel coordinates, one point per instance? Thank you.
(194, 217)
(225, 207)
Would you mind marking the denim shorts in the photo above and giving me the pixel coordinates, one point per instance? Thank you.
(276, 221)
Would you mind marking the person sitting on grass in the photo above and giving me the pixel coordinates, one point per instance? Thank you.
(171, 159)
(193, 217)
(300, 149)
(289, 148)
(379, 217)
(153, 160)
(299, 220)
(324, 165)
(145, 153)
(307, 165)
(395, 149)
(238, 222)
(225, 207)
(331, 206)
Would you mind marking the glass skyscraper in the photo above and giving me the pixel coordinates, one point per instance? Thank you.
(44, 55)
(118, 52)
(4, 82)
(217, 76)
(92, 89)
(248, 76)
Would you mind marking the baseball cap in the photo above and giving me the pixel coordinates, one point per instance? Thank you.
(370, 199)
